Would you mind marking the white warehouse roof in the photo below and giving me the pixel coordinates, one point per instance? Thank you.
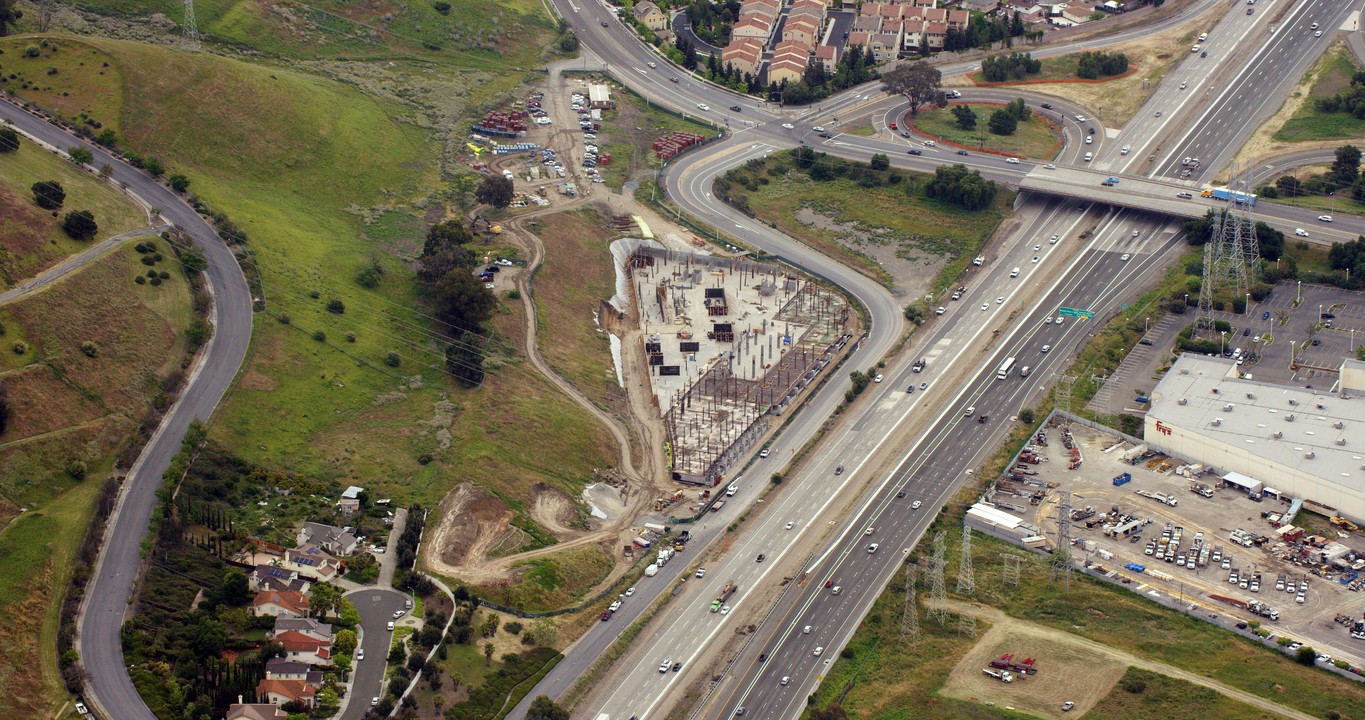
(1312, 432)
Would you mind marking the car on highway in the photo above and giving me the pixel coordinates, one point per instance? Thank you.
(963, 152)
(1046, 348)
(765, 452)
(819, 650)
(869, 531)
(629, 591)
(878, 378)
(1324, 218)
(677, 666)
(1046, 106)
(872, 548)
(1080, 118)
(839, 470)
(1136, 233)
(969, 411)
(604, 24)
(905, 134)
(761, 557)
(1194, 49)
(1184, 195)
(1053, 240)
(701, 573)
(788, 126)
(1035, 258)
(730, 491)
(673, 78)
(901, 494)
(1204, 54)
(703, 106)
(1049, 166)
(1012, 161)
(663, 666)
(940, 310)
(826, 135)
(930, 143)
(913, 151)
(786, 680)
(1036, 248)
(736, 108)
(817, 128)
(791, 525)
(924, 386)
(1158, 113)
(1089, 140)
(614, 606)
(653, 64)
(1000, 300)
(1315, 26)
(1058, 320)
(915, 505)
(1124, 257)
(1300, 232)
(1317, 33)
(1125, 149)
(985, 307)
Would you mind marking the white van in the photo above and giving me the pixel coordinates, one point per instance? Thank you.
(1089, 157)
(1014, 272)
(1024, 371)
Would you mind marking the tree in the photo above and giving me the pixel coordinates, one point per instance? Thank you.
(236, 589)
(1346, 168)
(1270, 241)
(9, 140)
(569, 43)
(324, 599)
(1288, 185)
(880, 161)
(80, 225)
(49, 194)
(1003, 123)
(78, 155)
(345, 642)
(179, 183)
(1306, 655)
(543, 708)
(9, 16)
(488, 654)
(464, 359)
(919, 82)
(4, 411)
(495, 190)
(1018, 110)
(833, 711)
(207, 638)
(461, 300)
(966, 117)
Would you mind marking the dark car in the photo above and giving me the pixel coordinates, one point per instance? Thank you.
(677, 666)
(674, 78)
(900, 493)
(1329, 316)
(736, 108)
(829, 583)
(839, 470)
(604, 23)
(1265, 315)
(1092, 131)
(761, 557)
(915, 152)
(983, 418)
(905, 134)
(1246, 331)
(962, 152)
(1204, 54)
(1047, 106)
(827, 135)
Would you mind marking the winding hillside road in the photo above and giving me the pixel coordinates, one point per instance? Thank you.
(75, 262)
(109, 690)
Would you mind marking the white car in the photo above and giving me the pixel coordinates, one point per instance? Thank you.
(789, 126)
(398, 613)
(1136, 233)
(791, 525)
(1324, 218)
(653, 64)
(80, 708)
(1300, 232)
(663, 666)
(985, 307)
(1012, 161)
(929, 143)
(1035, 258)
(1317, 33)
(701, 573)
(1080, 118)
(915, 505)
(702, 106)
(1049, 166)
(1125, 150)
(940, 310)
(630, 591)
(1182, 85)
(869, 531)
(1089, 140)
(360, 654)
(1036, 248)
(1000, 300)
(786, 680)
(765, 452)
(879, 378)
(1058, 320)
(1046, 348)
(819, 650)
(374, 700)
(818, 128)
(1124, 257)
(872, 548)
(1053, 240)
(806, 630)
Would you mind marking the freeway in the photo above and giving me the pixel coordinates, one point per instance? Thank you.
(931, 469)
(109, 690)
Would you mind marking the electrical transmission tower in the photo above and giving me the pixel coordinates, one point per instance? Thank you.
(1012, 564)
(189, 29)
(966, 625)
(966, 582)
(938, 593)
(1061, 558)
(1230, 255)
(910, 616)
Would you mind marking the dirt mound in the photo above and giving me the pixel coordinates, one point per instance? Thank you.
(555, 510)
(472, 521)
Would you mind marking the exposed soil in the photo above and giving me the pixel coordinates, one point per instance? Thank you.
(472, 522)
(912, 268)
(556, 511)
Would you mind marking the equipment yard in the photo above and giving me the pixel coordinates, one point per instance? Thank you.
(1196, 544)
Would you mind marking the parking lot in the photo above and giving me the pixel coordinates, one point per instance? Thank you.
(1116, 527)
(1304, 350)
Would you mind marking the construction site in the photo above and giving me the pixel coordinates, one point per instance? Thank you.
(1182, 535)
(730, 343)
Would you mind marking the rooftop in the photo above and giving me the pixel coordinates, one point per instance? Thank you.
(1316, 432)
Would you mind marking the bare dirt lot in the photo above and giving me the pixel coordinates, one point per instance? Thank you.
(1067, 671)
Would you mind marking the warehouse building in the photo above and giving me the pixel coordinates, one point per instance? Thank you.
(1266, 439)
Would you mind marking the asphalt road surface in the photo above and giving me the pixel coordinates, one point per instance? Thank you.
(110, 691)
(376, 608)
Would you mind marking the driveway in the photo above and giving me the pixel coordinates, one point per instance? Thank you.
(77, 261)
(376, 609)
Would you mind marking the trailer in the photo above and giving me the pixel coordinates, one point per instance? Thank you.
(1222, 193)
(724, 595)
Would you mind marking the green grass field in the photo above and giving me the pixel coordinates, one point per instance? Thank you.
(1333, 73)
(1033, 139)
(31, 240)
(1143, 694)
(920, 226)
(1342, 205)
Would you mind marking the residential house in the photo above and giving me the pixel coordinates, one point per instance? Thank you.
(312, 562)
(912, 36)
(858, 39)
(866, 23)
(283, 692)
(281, 669)
(1075, 13)
(934, 34)
(803, 30)
(305, 649)
(981, 5)
(764, 8)
(811, 8)
(828, 57)
(744, 56)
(752, 27)
(650, 15)
(350, 499)
(274, 577)
(335, 540)
(885, 46)
(256, 711)
(959, 19)
(279, 603)
(788, 69)
(305, 625)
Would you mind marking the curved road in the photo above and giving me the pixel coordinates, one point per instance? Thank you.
(109, 690)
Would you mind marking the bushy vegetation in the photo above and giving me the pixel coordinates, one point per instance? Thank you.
(506, 686)
(985, 32)
(1015, 66)
(854, 68)
(711, 21)
(460, 300)
(1098, 64)
(1350, 99)
(1349, 257)
(957, 185)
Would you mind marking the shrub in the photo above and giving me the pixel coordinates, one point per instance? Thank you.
(1135, 686)
(80, 155)
(80, 225)
(350, 337)
(20, 347)
(77, 470)
(285, 319)
(514, 294)
(156, 281)
(336, 306)
(368, 278)
(31, 51)
(179, 183)
(164, 275)
(154, 167)
(441, 6)
(392, 360)
(90, 349)
(9, 140)
(319, 335)
(140, 280)
(48, 194)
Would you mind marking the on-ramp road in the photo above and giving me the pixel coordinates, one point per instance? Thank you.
(109, 690)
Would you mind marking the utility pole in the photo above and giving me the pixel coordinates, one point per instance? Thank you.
(189, 29)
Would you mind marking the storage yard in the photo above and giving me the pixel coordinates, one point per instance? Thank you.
(1188, 538)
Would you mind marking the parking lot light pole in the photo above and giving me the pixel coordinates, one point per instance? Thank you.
(1222, 337)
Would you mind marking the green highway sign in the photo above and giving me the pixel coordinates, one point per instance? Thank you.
(1075, 312)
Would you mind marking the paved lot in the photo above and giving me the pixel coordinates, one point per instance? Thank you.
(1215, 517)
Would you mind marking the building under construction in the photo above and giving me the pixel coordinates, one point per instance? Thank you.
(730, 343)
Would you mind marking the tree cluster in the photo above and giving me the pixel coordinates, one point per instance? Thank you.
(854, 68)
(984, 32)
(1350, 99)
(458, 297)
(1343, 175)
(1348, 256)
(411, 537)
(1098, 64)
(9, 140)
(920, 83)
(1014, 66)
(711, 21)
(966, 117)
(956, 185)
